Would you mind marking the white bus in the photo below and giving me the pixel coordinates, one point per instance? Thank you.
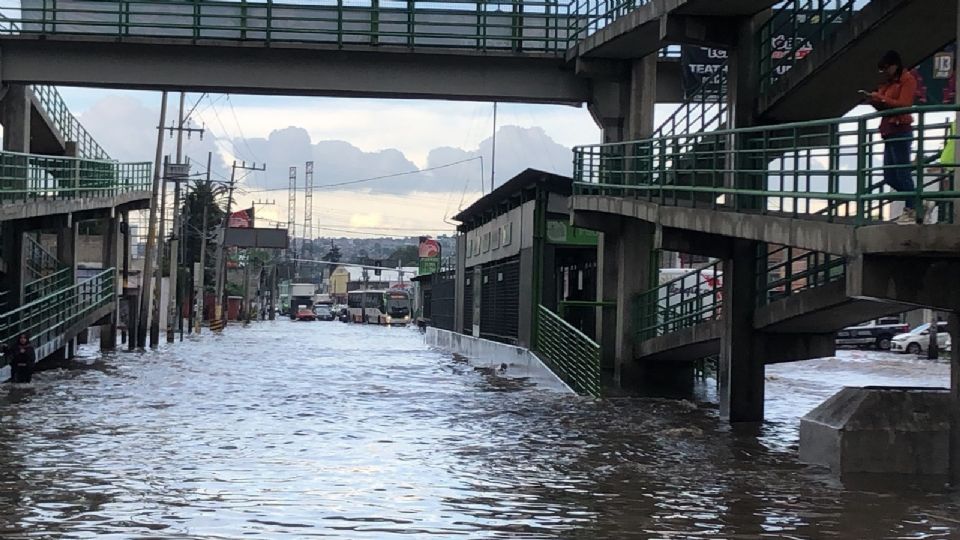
(388, 307)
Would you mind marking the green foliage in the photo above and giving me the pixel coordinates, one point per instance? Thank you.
(203, 195)
(333, 254)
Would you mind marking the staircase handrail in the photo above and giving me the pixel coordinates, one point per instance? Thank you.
(830, 162)
(53, 103)
(568, 352)
(48, 317)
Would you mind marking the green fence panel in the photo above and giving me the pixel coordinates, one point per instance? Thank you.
(569, 353)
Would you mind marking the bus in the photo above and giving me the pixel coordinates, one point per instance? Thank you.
(388, 307)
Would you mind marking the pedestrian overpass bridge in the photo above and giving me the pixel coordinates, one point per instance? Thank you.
(794, 211)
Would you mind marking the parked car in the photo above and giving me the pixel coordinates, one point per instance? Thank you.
(917, 340)
(877, 333)
(324, 312)
(304, 313)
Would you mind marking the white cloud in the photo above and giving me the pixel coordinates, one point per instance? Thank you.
(349, 140)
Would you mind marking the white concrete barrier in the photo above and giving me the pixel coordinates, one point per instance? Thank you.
(484, 353)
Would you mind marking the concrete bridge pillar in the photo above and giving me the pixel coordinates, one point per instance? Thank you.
(634, 262)
(954, 328)
(741, 354)
(67, 238)
(11, 235)
(111, 259)
(743, 84)
(15, 114)
(623, 99)
(624, 264)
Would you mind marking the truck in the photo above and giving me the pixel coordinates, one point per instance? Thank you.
(301, 301)
(876, 333)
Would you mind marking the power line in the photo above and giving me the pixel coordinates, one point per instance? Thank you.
(383, 177)
(360, 230)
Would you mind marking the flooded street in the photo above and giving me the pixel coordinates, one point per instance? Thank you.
(328, 430)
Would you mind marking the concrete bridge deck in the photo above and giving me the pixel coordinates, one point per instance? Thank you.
(716, 226)
(491, 52)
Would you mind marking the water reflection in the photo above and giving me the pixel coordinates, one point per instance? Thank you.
(339, 431)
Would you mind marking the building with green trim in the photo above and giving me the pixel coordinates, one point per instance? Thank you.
(516, 250)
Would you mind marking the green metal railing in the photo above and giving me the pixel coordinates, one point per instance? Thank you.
(826, 169)
(704, 110)
(29, 177)
(682, 302)
(39, 262)
(48, 318)
(785, 40)
(569, 353)
(48, 284)
(72, 130)
(785, 270)
(45, 273)
(533, 25)
(589, 16)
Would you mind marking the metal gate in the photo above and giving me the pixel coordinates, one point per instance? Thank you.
(500, 301)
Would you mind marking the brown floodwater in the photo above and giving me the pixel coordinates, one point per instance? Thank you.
(327, 430)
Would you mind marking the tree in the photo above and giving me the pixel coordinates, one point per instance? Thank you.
(406, 255)
(202, 194)
(333, 254)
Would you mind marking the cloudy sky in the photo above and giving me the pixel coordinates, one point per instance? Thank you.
(445, 145)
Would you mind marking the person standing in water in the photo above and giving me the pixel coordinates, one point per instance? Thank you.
(22, 357)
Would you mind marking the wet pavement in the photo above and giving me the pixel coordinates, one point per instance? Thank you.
(327, 430)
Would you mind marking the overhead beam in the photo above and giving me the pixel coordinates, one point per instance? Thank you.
(159, 64)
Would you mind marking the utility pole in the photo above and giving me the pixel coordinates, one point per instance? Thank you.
(221, 262)
(181, 171)
(292, 215)
(308, 208)
(245, 314)
(158, 274)
(273, 293)
(198, 315)
(144, 297)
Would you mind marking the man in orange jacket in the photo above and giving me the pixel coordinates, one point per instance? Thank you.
(896, 130)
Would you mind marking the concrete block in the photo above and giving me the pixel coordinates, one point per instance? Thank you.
(891, 431)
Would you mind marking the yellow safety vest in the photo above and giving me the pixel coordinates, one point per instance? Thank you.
(949, 157)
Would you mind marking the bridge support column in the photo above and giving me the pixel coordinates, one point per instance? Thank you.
(15, 277)
(108, 330)
(67, 238)
(624, 264)
(954, 327)
(634, 252)
(16, 109)
(741, 353)
(607, 283)
(623, 103)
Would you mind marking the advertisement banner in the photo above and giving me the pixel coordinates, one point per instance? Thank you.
(242, 219)
(936, 84)
(699, 65)
(561, 232)
(429, 254)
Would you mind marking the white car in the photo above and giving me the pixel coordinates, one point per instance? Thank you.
(917, 340)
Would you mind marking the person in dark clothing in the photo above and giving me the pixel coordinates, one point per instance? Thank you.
(21, 357)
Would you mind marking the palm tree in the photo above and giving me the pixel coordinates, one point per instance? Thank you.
(203, 194)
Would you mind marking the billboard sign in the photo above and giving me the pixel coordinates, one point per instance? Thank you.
(429, 256)
(242, 219)
(257, 238)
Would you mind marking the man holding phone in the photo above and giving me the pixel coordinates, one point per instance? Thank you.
(896, 92)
